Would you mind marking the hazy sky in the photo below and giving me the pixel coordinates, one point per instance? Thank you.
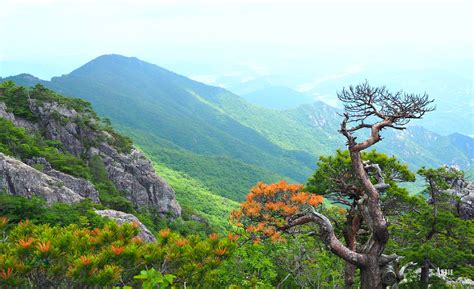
(206, 39)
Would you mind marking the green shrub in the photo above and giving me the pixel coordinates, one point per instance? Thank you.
(42, 256)
(18, 208)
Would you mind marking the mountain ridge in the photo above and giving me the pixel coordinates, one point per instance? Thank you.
(190, 119)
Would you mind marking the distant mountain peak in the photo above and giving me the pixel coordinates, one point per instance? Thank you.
(115, 57)
(108, 61)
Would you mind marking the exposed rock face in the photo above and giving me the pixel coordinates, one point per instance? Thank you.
(131, 172)
(80, 186)
(134, 173)
(4, 113)
(18, 178)
(464, 191)
(466, 205)
(29, 126)
(121, 218)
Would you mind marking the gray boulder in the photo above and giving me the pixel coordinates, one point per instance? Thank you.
(121, 218)
(17, 178)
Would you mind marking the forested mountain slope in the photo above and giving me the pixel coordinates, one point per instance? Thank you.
(220, 139)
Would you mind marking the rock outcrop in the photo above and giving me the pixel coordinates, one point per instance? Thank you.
(130, 171)
(17, 178)
(17, 121)
(121, 218)
(466, 202)
(80, 186)
(463, 191)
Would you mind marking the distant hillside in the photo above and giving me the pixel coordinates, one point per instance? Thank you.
(162, 109)
(278, 97)
(219, 138)
(453, 93)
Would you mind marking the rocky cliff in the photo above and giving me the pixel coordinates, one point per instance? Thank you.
(75, 129)
(18, 178)
(462, 191)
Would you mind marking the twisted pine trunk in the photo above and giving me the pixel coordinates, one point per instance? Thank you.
(350, 235)
(371, 277)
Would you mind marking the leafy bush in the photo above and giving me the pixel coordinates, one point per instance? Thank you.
(43, 256)
(16, 99)
(18, 208)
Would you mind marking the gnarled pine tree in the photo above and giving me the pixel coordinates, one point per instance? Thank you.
(281, 207)
(335, 179)
(375, 108)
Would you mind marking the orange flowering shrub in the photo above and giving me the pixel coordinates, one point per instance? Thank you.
(25, 244)
(220, 251)
(268, 207)
(164, 233)
(213, 237)
(75, 257)
(5, 275)
(181, 242)
(117, 250)
(43, 247)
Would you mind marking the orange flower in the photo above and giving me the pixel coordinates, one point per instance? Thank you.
(5, 275)
(181, 242)
(252, 208)
(236, 214)
(233, 237)
(275, 206)
(25, 244)
(250, 229)
(294, 187)
(117, 250)
(260, 226)
(271, 206)
(85, 261)
(269, 231)
(164, 233)
(315, 200)
(3, 221)
(250, 197)
(276, 237)
(44, 246)
(258, 189)
(282, 185)
(300, 197)
(288, 210)
(257, 241)
(95, 232)
(213, 236)
(220, 251)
